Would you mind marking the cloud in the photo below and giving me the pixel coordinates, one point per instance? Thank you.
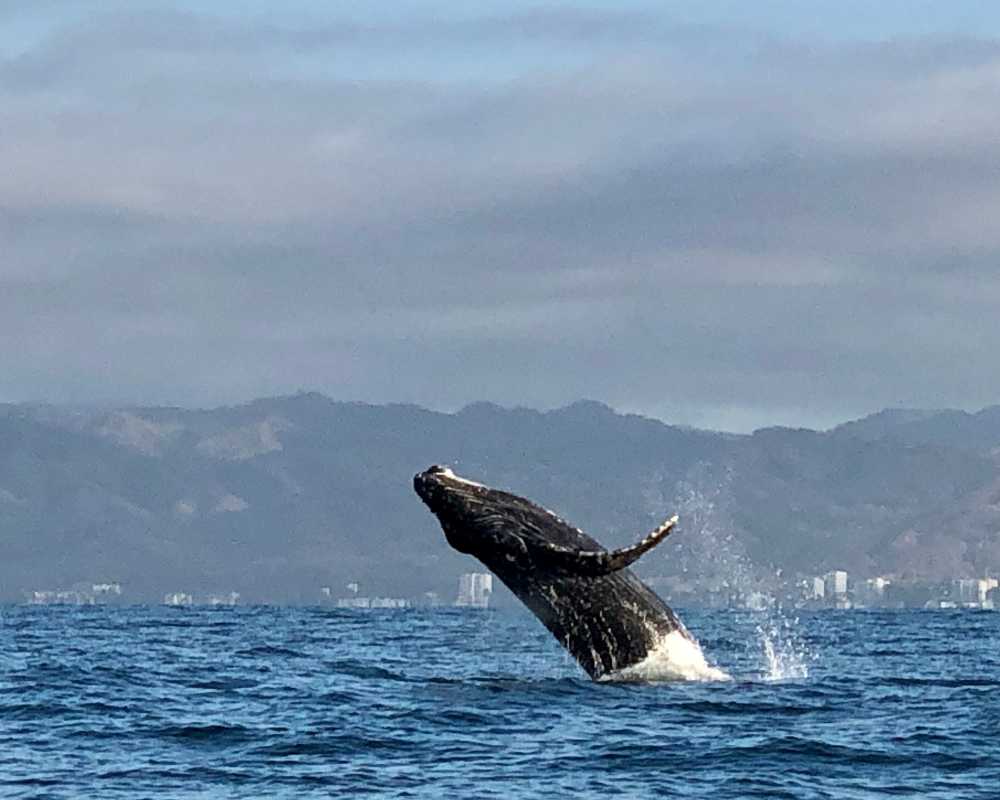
(707, 225)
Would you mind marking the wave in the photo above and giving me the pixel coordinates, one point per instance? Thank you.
(207, 734)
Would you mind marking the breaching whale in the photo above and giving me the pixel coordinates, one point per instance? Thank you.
(610, 621)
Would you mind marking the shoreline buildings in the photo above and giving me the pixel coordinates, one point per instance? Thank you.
(356, 600)
(474, 590)
(834, 590)
(81, 594)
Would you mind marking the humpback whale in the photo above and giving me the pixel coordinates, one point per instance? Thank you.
(614, 625)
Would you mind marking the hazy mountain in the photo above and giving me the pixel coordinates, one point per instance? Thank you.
(281, 496)
(951, 428)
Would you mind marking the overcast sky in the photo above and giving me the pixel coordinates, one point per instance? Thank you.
(760, 213)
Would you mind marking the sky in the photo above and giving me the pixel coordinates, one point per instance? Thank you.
(727, 215)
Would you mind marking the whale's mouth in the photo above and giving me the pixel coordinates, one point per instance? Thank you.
(453, 500)
(426, 483)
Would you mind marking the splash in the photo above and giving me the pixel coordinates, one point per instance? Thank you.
(675, 657)
(785, 655)
(713, 550)
(708, 557)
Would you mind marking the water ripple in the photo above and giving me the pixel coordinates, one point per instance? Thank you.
(206, 703)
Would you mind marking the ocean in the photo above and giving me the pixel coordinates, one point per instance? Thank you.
(264, 702)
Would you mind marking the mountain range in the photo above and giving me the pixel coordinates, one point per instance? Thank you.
(281, 496)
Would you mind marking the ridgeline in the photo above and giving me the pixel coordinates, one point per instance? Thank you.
(279, 497)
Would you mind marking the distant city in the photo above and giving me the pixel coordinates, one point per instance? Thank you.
(836, 590)
(474, 591)
(94, 594)
(832, 590)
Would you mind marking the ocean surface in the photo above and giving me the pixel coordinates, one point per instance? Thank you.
(311, 703)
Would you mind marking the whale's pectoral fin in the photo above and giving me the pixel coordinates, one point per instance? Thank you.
(594, 563)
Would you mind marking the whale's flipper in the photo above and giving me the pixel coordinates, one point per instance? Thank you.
(594, 563)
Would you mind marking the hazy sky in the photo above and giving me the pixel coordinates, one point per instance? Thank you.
(759, 213)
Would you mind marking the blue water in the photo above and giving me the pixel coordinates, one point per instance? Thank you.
(303, 703)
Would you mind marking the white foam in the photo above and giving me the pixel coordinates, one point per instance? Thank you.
(674, 658)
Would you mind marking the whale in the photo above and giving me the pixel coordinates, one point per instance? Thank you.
(612, 623)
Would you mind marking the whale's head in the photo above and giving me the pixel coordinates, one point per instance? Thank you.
(484, 522)
(507, 532)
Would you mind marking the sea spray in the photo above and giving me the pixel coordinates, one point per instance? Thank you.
(785, 654)
(708, 553)
(712, 549)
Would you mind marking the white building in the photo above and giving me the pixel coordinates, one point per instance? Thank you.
(965, 591)
(474, 590)
(354, 602)
(836, 583)
(56, 597)
(230, 599)
(178, 599)
(872, 591)
(972, 591)
(372, 602)
(389, 602)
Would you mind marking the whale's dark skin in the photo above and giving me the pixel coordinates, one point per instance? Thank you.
(585, 595)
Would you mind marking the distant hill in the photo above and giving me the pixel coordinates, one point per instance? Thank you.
(950, 428)
(281, 496)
